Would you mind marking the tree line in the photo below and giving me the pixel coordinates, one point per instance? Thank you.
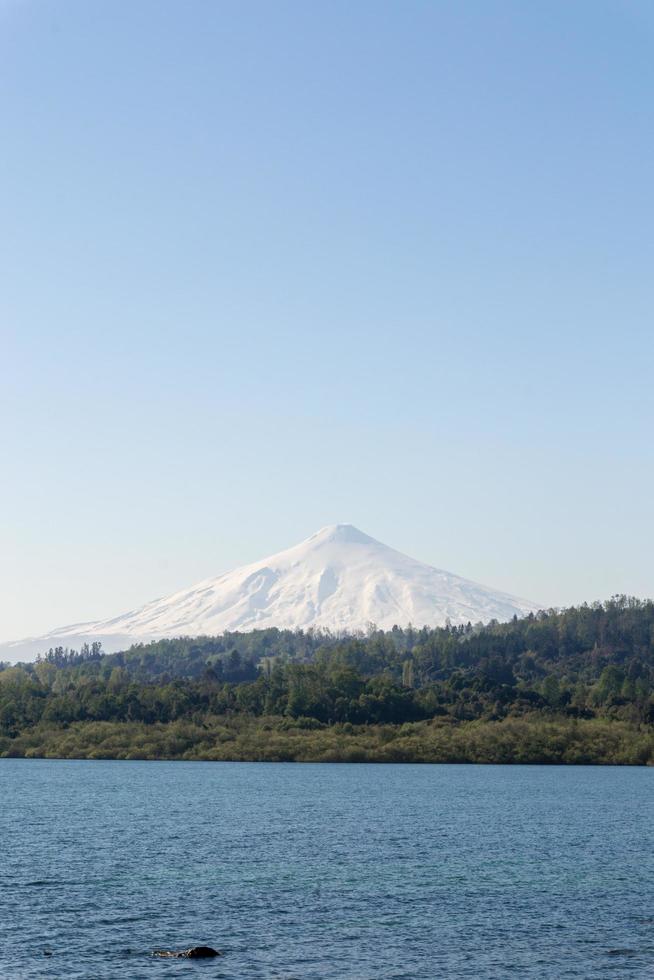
(584, 663)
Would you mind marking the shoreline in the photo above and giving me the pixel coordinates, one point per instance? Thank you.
(527, 740)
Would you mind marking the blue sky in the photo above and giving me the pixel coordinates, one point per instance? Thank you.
(269, 266)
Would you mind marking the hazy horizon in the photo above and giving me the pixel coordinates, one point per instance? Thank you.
(270, 267)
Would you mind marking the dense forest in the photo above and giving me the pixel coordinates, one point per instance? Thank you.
(571, 686)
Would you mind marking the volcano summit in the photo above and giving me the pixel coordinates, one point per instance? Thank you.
(338, 579)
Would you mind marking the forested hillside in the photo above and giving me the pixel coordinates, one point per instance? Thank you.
(582, 680)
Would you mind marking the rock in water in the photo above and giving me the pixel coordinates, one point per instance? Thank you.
(194, 953)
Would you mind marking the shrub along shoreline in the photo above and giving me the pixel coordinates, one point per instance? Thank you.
(531, 739)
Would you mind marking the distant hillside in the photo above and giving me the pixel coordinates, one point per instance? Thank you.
(580, 680)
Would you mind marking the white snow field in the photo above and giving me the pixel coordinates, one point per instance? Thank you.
(339, 579)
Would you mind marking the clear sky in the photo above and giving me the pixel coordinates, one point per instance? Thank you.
(268, 266)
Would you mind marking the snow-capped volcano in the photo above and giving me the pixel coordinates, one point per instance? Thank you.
(338, 579)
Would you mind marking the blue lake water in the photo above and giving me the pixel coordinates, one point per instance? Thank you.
(332, 871)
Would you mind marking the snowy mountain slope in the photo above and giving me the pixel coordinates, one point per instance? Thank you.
(338, 579)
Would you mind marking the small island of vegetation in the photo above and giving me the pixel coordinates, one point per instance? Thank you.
(573, 686)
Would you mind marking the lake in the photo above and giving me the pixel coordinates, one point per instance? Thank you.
(325, 871)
